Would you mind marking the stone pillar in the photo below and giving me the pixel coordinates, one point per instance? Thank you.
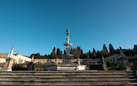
(104, 65)
(8, 65)
(9, 62)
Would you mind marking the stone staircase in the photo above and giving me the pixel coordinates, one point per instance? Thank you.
(68, 78)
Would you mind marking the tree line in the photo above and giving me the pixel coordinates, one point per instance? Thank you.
(78, 53)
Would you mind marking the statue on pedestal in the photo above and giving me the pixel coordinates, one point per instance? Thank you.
(56, 61)
(78, 61)
(9, 62)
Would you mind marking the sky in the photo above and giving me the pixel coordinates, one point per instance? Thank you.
(36, 26)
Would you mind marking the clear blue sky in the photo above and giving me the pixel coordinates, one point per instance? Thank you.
(36, 26)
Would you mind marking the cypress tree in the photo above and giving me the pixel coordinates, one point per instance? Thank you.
(94, 51)
(111, 49)
(104, 47)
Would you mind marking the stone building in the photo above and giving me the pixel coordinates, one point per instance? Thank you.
(17, 58)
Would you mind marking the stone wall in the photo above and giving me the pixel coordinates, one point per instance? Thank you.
(61, 60)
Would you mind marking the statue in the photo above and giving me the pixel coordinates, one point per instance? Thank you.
(56, 61)
(121, 52)
(78, 61)
(104, 65)
(32, 58)
(67, 32)
(103, 59)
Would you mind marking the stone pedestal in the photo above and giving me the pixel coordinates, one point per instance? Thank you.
(104, 66)
(67, 59)
(125, 64)
(8, 65)
(82, 67)
(31, 65)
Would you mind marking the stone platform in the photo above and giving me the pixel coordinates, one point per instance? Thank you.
(71, 67)
(68, 78)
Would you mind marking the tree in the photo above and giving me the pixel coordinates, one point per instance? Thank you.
(77, 54)
(58, 51)
(37, 55)
(94, 51)
(104, 47)
(99, 55)
(54, 49)
(81, 52)
(104, 51)
(89, 53)
(111, 49)
(78, 48)
(65, 52)
(71, 51)
(84, 56)
(93, 55)
(53, 53)
(32, 55)
(130, 52)
(135, 48)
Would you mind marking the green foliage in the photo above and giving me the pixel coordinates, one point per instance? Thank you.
(84, 56)
(94, 51)
(130, 52)
(65, 52)
(39, 66)
(54, 49)
(135, 48)
(53, 55)
(78, 52)
(93, 55)
(20, 67)
(112, 66)
(104, 51)
(81, 52)
(38, 56)
(104, 47)
(98, 55)
(58, 51)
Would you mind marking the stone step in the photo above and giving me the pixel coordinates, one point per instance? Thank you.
(132, 83)
(65, 73)
(76, 71)
(67, 80)
(81, 83)
(93, 76)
